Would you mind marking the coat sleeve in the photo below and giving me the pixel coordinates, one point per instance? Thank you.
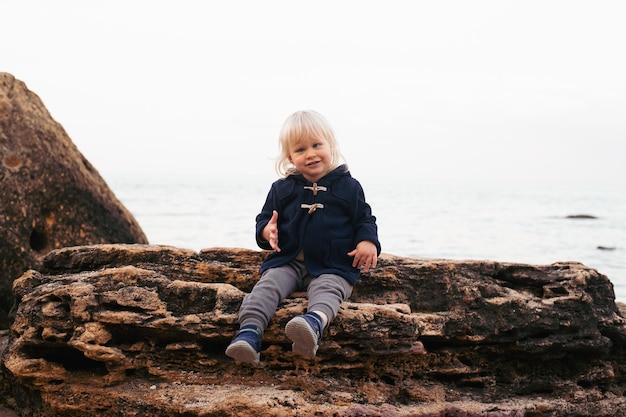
(263, 218)
(365, 227)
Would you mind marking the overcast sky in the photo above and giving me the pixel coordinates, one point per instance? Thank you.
(429, 90)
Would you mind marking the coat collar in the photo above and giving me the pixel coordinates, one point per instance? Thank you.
(340, 171)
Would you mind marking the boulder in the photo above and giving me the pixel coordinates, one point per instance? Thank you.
(141, 330)
(52, 197)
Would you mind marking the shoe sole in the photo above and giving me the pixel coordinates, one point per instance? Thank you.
(242, 351)
(303, 337)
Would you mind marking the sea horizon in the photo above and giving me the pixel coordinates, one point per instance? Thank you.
(528, 223)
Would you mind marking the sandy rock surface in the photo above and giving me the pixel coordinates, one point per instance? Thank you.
(141, 330)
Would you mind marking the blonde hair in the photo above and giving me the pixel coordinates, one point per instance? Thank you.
(300, 125)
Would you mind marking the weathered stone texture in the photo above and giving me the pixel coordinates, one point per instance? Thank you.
(141, 330)
(52, 197)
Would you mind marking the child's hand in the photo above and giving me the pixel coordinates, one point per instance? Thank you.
(365, 255)
(270, 232)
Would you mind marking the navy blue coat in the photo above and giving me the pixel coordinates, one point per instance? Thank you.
(327, 233)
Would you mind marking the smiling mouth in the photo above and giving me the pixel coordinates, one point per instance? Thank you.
(312, 163)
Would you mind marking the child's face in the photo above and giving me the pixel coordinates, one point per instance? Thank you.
(311, 157)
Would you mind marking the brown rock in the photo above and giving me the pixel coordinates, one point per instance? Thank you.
(52, 197)
(141, 330)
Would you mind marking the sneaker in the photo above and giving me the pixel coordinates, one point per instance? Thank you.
(305, 332)
(246, 345)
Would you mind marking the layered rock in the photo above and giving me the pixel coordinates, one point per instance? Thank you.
(141, 330)
(52, 197)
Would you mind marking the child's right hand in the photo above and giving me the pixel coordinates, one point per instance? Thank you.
(270, 232)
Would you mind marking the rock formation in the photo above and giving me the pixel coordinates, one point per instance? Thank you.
(52, 197)
(140, 330)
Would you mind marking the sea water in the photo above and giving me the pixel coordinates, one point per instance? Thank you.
(526, 223)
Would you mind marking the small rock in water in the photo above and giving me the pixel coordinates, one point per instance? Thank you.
(581, 216)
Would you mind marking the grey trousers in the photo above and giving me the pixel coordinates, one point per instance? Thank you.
(325, 293)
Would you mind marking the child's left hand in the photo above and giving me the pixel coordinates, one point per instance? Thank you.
(365, 255)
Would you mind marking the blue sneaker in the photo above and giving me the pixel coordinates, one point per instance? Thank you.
(246, 345)
(305, 332)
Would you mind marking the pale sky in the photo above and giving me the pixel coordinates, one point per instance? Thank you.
(467, 90)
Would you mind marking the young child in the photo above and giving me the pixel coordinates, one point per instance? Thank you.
(322, 232)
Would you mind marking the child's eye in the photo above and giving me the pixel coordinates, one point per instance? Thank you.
(317, 145)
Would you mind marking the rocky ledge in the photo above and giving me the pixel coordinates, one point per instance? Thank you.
(140, 330)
